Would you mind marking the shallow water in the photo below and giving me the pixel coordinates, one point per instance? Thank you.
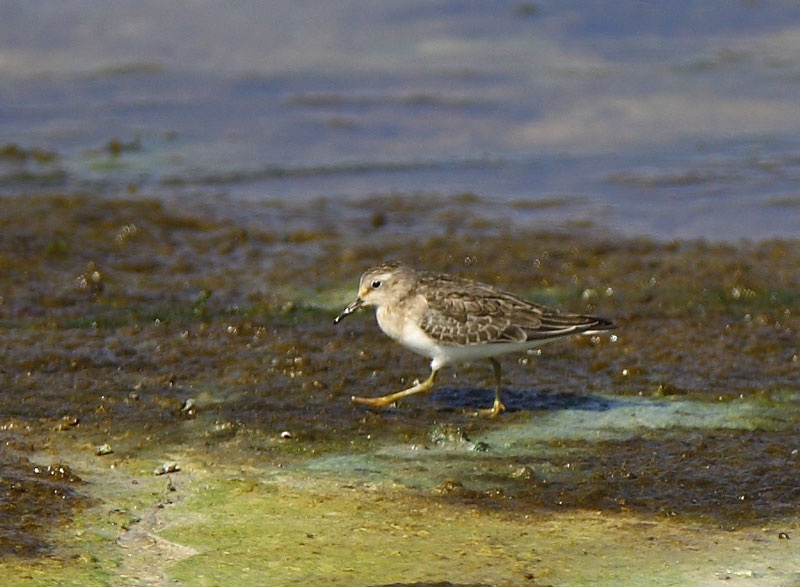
(674, 121)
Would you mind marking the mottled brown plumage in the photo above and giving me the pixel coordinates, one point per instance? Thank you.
(451, 319)
(463, 312)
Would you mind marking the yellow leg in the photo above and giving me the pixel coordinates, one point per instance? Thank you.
(385, 400)
(497, 406)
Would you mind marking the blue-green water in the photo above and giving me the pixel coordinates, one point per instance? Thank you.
(672, 120)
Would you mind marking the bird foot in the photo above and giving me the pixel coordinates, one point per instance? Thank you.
(392, 398)
(374, 402)
(496, 409)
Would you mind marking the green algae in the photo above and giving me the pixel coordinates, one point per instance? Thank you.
(208, 342)
(317, 530)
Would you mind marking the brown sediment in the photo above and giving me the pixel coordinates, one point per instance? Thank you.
(161, 331)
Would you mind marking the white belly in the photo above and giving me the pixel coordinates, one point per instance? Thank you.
(449, 355)
(413, 338)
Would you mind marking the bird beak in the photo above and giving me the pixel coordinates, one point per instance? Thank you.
(357, 303)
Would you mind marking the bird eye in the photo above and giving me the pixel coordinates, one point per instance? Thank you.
(376, 284)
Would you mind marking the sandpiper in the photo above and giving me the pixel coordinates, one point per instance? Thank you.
(452, 320)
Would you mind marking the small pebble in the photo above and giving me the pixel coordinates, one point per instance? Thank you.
(523, 472)
(480, 447)
(286, 435)
(103, 449)
(168, 467)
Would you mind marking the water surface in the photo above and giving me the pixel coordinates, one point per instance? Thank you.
(674, 120)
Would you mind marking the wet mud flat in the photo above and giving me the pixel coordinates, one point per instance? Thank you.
(175, 403)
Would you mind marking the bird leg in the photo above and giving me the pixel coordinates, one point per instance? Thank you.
(385, 400)
(497, 406)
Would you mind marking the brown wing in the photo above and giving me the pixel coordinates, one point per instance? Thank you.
(464, 312)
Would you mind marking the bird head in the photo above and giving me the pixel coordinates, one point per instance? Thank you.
(379, 285)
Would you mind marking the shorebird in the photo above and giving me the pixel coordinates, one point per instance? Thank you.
(451, 320)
